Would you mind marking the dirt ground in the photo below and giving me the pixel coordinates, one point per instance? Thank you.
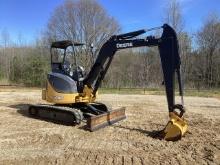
(24, 140)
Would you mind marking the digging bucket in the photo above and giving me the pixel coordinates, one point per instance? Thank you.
(175, 128)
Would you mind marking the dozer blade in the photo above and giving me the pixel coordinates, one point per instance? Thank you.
(175, 128)
(96, 122)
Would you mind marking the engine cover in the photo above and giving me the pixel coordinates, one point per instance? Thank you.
(62, 83)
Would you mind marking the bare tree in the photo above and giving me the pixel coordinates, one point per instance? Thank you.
(5, 37)
(82, 21)
(5, 56)
(175, 19)
(208, 39)
(173, 15)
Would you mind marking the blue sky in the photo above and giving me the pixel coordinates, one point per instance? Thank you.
(29, 17)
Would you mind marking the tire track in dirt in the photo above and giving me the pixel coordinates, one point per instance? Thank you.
(25, 140)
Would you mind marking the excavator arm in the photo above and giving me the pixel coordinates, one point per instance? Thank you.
(170, 60)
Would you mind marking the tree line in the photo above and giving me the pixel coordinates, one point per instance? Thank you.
(88, 22)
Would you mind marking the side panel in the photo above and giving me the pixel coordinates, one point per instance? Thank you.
(62, 83)
(59, 98)
(52, 96)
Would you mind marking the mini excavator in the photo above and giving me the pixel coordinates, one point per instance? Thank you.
(73, 93)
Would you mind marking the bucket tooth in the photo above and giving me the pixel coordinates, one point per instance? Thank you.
(175, 128)
(96, 122)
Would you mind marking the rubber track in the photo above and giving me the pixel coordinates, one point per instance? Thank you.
(78, 116)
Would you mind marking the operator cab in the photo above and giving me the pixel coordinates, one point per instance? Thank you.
(64, 59)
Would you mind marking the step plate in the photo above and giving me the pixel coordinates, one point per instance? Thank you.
(96, 122)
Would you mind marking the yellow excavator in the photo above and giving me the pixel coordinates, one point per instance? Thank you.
(73, 92)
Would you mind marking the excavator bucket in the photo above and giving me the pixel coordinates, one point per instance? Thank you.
(96, 122)
(175, 128)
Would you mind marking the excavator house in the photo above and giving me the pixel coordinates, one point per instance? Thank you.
(72, 93)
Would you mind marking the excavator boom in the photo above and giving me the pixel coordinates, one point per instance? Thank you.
(170, 60)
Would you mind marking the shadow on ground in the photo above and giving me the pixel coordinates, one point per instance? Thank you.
(153, 134)
(23, 110)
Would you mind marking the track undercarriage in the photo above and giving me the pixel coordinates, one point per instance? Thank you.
(96, 115)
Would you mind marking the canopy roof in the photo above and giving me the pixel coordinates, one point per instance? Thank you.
(64, 44)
